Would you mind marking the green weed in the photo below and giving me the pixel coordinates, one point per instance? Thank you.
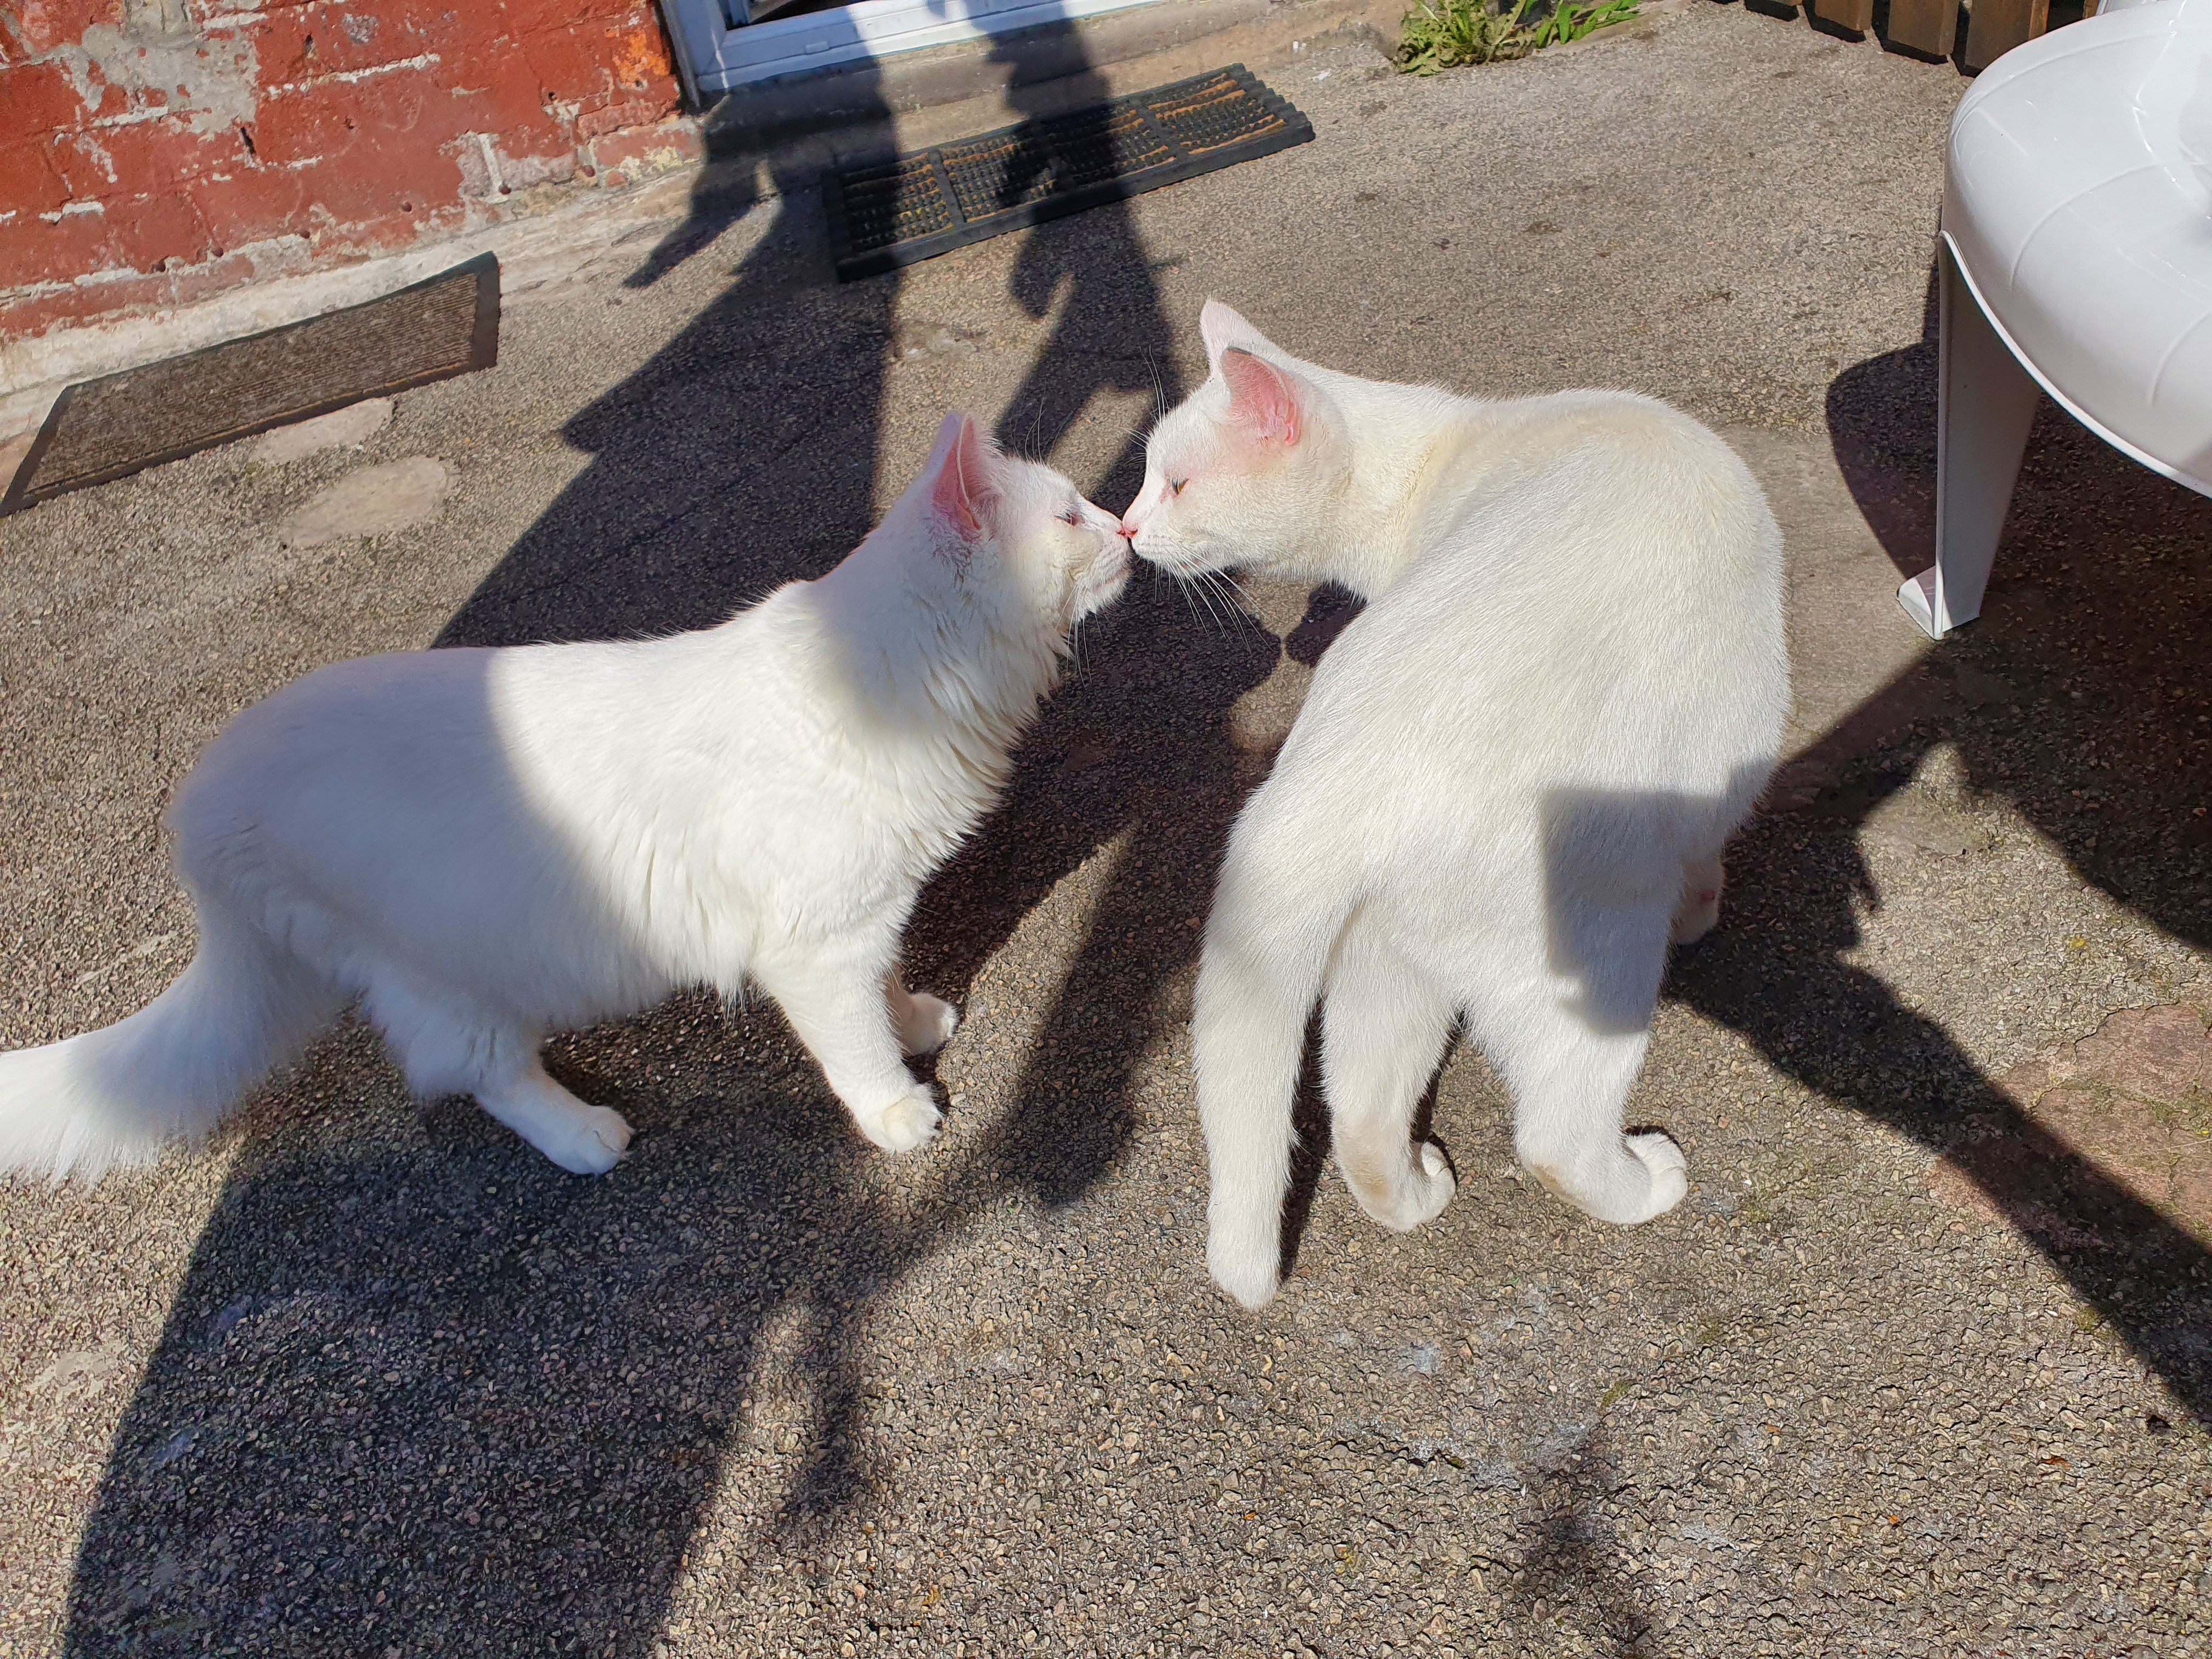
(1440, 34)
(1573, 22)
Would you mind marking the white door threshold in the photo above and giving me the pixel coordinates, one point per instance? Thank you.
(718, 57)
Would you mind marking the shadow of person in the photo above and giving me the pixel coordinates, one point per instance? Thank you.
(1777, 971)
(2079, 700)
(1132, 758)
(419, 1390)
(440, 1397)
(742, 455)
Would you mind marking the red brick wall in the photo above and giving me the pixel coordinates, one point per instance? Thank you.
(153, 152)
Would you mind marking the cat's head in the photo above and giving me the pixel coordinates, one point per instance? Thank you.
(1003, 527)
(1241, 471)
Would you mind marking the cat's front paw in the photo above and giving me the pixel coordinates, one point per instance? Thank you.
(597, 1141)
(906, 1123)
(1669, 1170)
(928, 1023)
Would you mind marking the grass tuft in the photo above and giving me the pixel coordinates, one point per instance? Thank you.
(1442, 34)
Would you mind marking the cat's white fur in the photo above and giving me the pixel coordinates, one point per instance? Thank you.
(478, 845)
(1514, 769)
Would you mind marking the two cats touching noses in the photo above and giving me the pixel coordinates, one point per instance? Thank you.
(1507, 792)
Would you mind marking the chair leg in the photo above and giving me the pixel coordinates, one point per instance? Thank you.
(1984, 404)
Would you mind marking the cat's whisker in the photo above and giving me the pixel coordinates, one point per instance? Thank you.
(1205, 598)
(1217, 579)
(1235, 601)
(1194, 596)
(1189, 603)
(1243, 592)
(1251, 605)
(1207, 595)
(1238, 601)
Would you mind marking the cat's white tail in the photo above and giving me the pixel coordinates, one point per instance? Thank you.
(171, 1071)
(1257, 984)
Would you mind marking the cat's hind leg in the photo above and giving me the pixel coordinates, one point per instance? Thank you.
(925, 1024)
(582, 1139)
(447, 1049)
(839, 1007)
(1569, 1084)
(1569, 1051)
(1383, 1028)
(1699, 911)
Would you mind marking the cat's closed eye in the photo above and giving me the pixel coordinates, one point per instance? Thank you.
(1074, 515)
(1175, 485)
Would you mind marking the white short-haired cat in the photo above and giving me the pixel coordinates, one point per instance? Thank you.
(480, 845)
(1513, 774)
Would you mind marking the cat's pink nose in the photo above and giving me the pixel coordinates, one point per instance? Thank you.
(1127, 531)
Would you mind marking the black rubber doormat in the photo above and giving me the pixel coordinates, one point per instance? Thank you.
(123, 423)
(883, 214)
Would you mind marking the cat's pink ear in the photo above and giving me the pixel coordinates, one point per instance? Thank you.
(962, 489)
(1262, 398)
(1222, 328)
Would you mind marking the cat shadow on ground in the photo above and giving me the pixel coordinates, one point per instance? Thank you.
(423, 1391)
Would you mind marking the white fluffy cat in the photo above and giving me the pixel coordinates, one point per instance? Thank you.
(1515, 769)
(480, 845)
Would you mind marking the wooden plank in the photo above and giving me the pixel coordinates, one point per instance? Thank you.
(1928, 26)
(1994, 28)
(1857, 16)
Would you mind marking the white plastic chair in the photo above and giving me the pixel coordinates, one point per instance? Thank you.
(2075, 257)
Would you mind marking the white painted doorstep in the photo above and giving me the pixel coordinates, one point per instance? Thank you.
(719, 57)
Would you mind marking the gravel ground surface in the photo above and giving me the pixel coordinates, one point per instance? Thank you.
(1916, 1369)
